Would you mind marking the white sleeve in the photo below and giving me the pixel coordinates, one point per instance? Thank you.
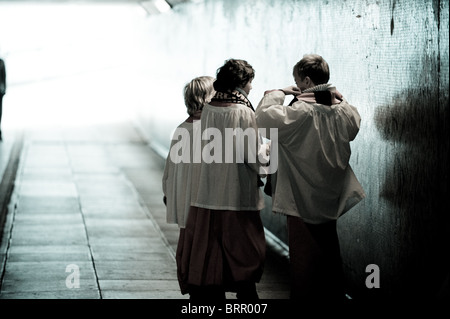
(271, 113)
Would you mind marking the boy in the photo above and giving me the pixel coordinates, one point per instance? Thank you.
(223, 246)
(314, 181)
(176, 183)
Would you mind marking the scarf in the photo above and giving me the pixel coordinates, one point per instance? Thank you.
(237, 96)
(322, 94)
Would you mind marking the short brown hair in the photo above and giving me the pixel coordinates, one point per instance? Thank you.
(197, 93)
(234, 73)
(313, 66)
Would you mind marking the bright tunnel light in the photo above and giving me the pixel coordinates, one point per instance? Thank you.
(72, 64)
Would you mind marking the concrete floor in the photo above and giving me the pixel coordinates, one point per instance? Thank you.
(87, 201)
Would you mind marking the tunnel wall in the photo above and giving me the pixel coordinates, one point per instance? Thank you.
(390, 59)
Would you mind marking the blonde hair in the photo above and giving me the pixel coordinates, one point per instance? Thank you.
(197, 93)
(313, 66)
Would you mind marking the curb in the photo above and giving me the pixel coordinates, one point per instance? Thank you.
(9, 176)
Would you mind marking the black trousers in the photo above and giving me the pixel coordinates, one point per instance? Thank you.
(315, 261)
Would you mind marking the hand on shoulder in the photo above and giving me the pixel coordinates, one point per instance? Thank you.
(291, 90)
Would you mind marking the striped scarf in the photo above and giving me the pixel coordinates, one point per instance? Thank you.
(234, 97)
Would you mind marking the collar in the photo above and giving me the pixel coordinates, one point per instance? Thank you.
(320, 87)
(325, 94)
